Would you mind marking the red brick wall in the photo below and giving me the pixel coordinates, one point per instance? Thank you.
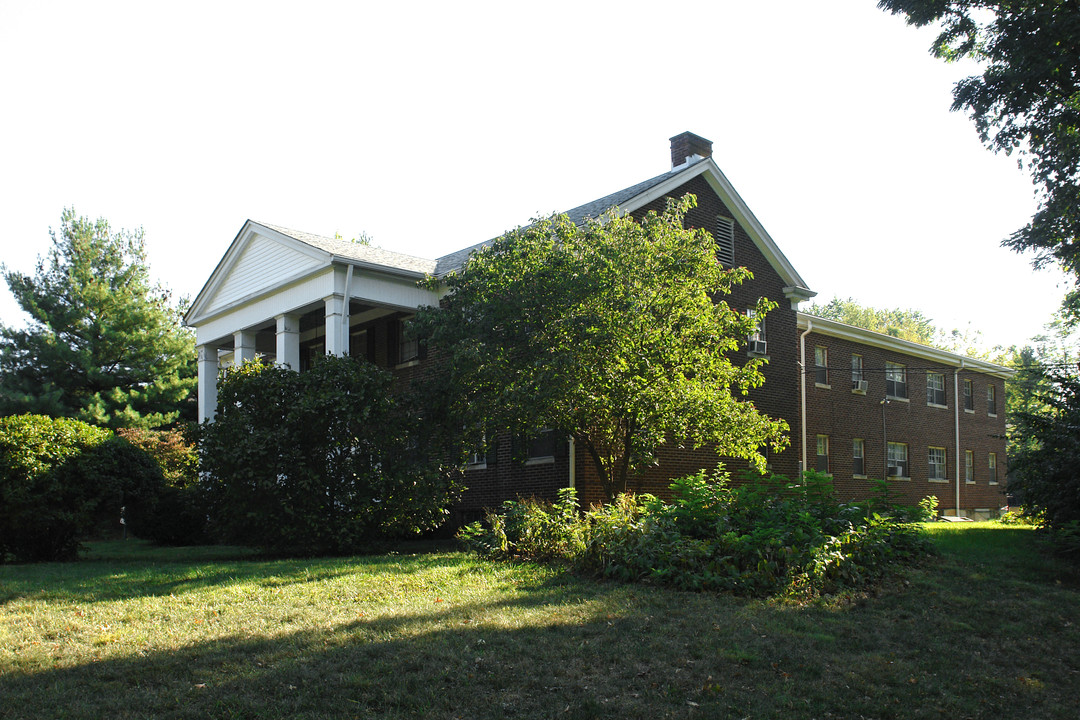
(843, 415)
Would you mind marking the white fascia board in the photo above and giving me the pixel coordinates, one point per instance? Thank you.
(249, 229)
(832, 328)
(726, 191)
(415, 275)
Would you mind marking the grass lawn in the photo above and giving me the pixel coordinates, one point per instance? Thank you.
(990, 628)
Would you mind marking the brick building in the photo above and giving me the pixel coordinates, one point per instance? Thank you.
(286, 296)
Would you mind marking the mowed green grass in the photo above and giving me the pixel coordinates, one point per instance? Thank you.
(989, 628)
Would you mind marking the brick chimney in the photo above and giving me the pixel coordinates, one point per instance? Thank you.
(687, 145)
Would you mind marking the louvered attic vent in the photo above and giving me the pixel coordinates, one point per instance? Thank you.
(725, 241)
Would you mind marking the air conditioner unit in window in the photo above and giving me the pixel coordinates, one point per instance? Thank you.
(859, 385)
(894, 472)
(758, 347)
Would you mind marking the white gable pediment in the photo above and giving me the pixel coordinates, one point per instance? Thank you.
(258, 261)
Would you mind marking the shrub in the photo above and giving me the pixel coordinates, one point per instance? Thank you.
(320, 462)
(62, 480)
(179, 513)
(759, 539)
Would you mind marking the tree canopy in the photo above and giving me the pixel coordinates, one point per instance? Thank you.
(1027, 100)
(613, 332)
(104, 344)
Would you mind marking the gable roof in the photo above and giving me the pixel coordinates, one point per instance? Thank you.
(633, 197)
(297, 254)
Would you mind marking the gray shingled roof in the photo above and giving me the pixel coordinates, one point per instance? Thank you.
(448, 263)
(360, 253)
(596, 208)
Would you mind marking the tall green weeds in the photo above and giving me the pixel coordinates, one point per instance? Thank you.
(768, 537)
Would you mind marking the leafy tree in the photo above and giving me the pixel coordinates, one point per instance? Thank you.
(614, 332)
(903, 324)
(104, 344)
(1027, 100)
(321, 461)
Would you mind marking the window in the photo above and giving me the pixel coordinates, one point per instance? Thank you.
(895, 380)
(936, 460)
(821, 366)
(478, 457)
(969, 466)
(823, 453)
(935, 388)
(993, 469)
(725, 241)
(542, 447)
(898, 460)
(969, 396)
(756, 339)
(991, 400)
(408, 346)
(858, 457)
(858, 383)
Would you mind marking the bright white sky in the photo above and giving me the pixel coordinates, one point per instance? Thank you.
(432, 126)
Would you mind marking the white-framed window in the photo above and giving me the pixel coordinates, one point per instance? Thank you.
(478, 457)
(969, 396)
(993, 469)
(756, 344)
(822, 454)
(895, 380)
(936, 460)
(858, 381)
(991, 400)
(858, 457)
(898, 459)
(821, 365)
(725, 241)
(935, 388)
(969, 466)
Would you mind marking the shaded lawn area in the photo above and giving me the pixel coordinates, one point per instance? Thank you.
(987, 629)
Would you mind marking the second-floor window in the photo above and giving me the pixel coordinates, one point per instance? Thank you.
(858, 457)
(821, 365)
(991, 400)
(823, 453)
(858, 382)
(895, 380)
(969, 395)
(935, 388)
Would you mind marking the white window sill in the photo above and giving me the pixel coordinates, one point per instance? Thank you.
(969, 482)
(476, 466)
(938, 480)
(859, 477)
(856, 391)
(897, 398)
(935, 405)
(407, 364)
(991, 414)
(993, 482)
(542, 460)
(823, 386)
(969, 412)
(903, 478)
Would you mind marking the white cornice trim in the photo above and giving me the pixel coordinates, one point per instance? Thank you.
(832, 328)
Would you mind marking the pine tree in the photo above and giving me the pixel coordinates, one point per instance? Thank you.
(104, 345)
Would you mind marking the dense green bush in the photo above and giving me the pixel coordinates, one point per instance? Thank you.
(179, 514)
(762, 538)
(321, 462)
(62, 480)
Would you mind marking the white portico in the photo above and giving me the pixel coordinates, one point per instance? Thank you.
(285, 296)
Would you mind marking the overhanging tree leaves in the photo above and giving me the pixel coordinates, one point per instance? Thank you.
(1027, 100)
(104, 345)
(613, 332)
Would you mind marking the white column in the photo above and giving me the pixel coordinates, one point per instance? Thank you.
(288, 341)
(337, 340)
(208, 374)
(243, 346)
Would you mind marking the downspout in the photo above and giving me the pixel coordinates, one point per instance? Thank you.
(345, 311)
(802, 392)
(573, 463)
(956, 416)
